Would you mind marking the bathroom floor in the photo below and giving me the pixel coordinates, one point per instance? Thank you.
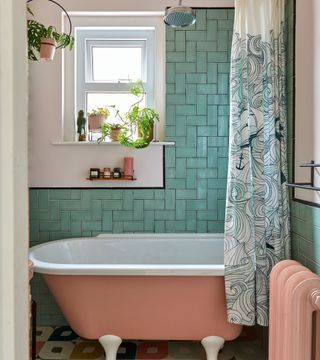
(61, 343)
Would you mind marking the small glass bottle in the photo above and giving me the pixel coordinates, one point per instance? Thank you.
(117, 173)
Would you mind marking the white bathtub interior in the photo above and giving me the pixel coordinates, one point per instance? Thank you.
(132, 254)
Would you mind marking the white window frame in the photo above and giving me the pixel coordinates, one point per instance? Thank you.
(86, 38)
(125, 38)
(132, 24)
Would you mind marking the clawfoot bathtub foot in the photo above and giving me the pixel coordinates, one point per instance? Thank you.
(212, 345)
(110, 344)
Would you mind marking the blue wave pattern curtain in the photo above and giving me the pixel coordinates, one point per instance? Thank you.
(257, 230)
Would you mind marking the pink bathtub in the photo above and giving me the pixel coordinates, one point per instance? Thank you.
(139, 286)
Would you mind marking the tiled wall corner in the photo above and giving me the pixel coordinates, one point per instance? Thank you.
(195, 183)
(305, 223)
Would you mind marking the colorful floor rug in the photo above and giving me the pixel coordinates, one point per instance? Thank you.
(61, 343)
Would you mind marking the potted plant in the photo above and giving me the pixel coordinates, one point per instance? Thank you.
(97, 117)
(115, 131)
(48, 46)
(110, 130)
(45, 40)
(139, 121)
(136, 126)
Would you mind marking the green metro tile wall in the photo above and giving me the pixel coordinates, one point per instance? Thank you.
(197, 120)
(305, 220)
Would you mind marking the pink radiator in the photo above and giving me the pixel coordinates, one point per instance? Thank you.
(294, 332)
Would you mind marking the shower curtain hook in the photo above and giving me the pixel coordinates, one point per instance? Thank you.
(65, 11)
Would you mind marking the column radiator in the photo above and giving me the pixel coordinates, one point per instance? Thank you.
(294, 331)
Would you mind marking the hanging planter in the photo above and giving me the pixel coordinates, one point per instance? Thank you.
(47, 49)
(45, 40)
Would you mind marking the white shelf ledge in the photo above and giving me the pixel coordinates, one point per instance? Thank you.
(113, 143)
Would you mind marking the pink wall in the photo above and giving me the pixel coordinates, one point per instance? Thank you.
(66, 166)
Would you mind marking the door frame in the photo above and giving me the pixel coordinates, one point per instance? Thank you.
(14, 313)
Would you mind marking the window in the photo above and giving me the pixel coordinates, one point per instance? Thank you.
(107, 58)
(116, 61)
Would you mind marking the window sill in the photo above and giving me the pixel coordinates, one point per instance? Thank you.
(114, 143)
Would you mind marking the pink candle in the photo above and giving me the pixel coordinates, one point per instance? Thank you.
(128, 166)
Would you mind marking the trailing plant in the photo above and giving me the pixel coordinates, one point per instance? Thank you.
(36, 31)
(138, 143)
(137, 120)
(106, 131)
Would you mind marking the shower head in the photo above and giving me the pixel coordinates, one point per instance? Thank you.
(180, 16)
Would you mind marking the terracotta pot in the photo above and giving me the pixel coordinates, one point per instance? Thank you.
(82, 137)
(95, 122)
(114, 134)
(47, 49)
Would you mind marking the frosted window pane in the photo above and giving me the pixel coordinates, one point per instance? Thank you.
(122, 101)
(113, 64)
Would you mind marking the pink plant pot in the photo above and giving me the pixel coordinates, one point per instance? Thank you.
(95, 122)
(47, 49)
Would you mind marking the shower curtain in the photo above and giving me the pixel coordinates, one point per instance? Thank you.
(257, 233)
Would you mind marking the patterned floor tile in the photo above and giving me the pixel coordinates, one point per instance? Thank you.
(186, 350)
(248, 351)
(44, 332)
(227, 353)
(152, 350)
(63, 333)
(61, 343)
(56, 350)
(87, 350)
